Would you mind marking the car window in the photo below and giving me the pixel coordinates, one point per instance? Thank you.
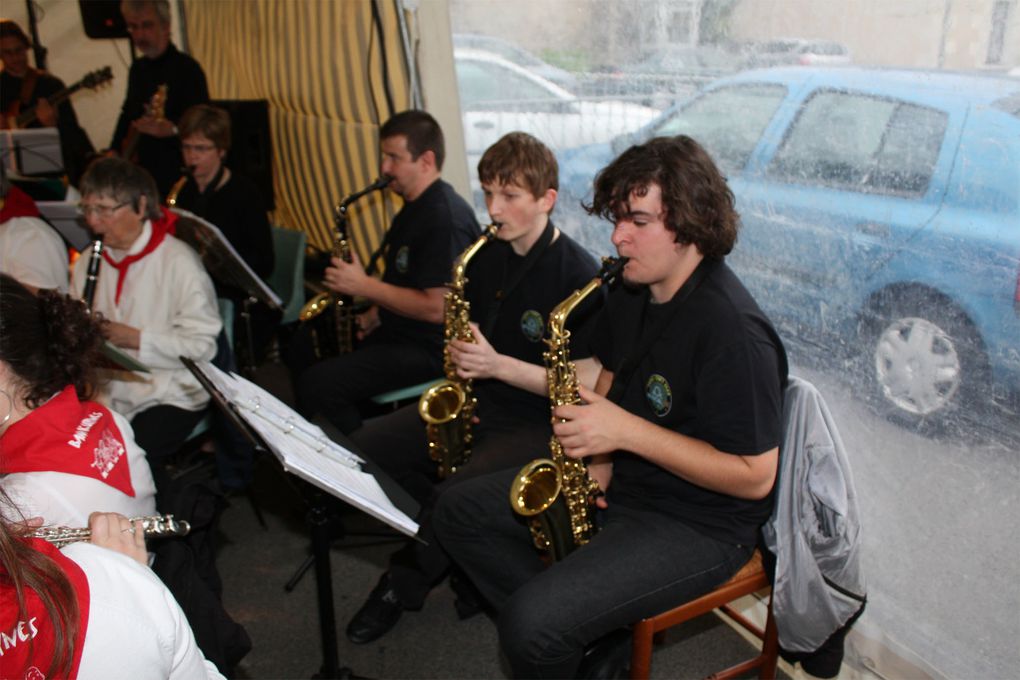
(489, 87)
(860, 143)
(727, 121)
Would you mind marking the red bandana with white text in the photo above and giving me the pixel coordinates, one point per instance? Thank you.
(27, 644)
(66, 435)
(167, 224)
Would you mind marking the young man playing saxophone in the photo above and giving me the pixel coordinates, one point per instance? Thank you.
(688, 435)
(513, 283)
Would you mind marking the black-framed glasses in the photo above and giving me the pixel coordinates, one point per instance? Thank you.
(101, 211)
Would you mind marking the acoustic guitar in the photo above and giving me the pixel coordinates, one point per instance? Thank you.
(17, 119)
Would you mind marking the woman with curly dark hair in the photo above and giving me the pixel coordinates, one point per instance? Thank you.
(61, 455)
(72, 612)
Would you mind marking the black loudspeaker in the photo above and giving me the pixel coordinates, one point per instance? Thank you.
(251, 148)
(102, 19)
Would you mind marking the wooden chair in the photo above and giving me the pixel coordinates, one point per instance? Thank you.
(749, 579)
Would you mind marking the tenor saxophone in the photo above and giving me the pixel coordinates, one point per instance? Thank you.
(342, 306)
(448, 407)
(556, 494)
(153, 527)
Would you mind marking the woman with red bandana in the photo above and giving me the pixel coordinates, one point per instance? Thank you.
(69, 613)
(72, 613)
(62, 457)
(159, 305)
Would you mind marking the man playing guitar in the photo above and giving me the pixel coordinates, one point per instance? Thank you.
(23, 87)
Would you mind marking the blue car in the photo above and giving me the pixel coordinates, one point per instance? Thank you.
(881, 221)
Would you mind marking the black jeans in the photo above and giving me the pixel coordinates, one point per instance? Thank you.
(397, 443)
(334, 387)
(640, 563)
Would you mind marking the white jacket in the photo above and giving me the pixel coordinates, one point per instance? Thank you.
(33, 253)
(168, 296)
(814, 530)
(136, 629)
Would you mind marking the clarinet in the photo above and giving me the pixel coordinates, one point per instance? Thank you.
(93, 272)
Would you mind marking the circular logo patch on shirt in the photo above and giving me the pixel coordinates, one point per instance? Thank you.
(532, 325)
(402, 256)
(658, 394)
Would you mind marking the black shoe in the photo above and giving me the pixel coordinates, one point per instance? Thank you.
(468, 601)
(607, 658)
(378, 615)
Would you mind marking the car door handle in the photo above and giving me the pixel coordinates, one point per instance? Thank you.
(873, 229)
(485, 125)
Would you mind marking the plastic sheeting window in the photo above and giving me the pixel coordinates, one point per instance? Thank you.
(874, 152)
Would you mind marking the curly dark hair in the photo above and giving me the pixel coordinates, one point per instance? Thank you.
(49, 341)
(699, 204)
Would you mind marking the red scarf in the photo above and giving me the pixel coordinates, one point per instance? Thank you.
(167, 224)
(27, 644)
(66, 435)
(17, 204)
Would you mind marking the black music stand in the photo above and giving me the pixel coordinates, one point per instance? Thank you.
(227, 268)
(319, 516)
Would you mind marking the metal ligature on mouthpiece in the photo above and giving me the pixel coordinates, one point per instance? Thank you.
(341, 305)
(448, 407)
(155, 526)
(92, 273)
(555, 493)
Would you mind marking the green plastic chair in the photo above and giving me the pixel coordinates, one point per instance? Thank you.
(396, 397)
(288, 277)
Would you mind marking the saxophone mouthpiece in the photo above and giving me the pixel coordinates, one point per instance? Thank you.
(381, 183)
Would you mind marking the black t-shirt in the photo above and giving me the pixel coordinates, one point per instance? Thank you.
(75, 146)
(186, 86)
(520, 325)
(423, 241)
(716, 373)
(237, 210)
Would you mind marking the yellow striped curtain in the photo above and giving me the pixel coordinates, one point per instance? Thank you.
(321, 66)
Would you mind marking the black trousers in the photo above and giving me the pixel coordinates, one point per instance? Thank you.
(161, 431)
(397, 443)
(334, 387)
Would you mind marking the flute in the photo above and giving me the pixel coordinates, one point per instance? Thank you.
(153, 527)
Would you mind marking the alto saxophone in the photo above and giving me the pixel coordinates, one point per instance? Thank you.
(341, 305)
(556, 494)
(448, 407)
(152, 527)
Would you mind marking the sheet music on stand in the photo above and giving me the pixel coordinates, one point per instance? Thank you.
(304, 449)
(220, 258)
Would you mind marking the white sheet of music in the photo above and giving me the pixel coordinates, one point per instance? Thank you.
(306, 451)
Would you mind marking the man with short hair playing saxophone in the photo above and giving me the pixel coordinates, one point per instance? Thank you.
(513, 282)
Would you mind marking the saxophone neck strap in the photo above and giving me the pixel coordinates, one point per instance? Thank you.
(646, 337)
(508, 287)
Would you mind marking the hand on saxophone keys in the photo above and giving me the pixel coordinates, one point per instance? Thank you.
(593, 427)
(475, 360)
(346, 278)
